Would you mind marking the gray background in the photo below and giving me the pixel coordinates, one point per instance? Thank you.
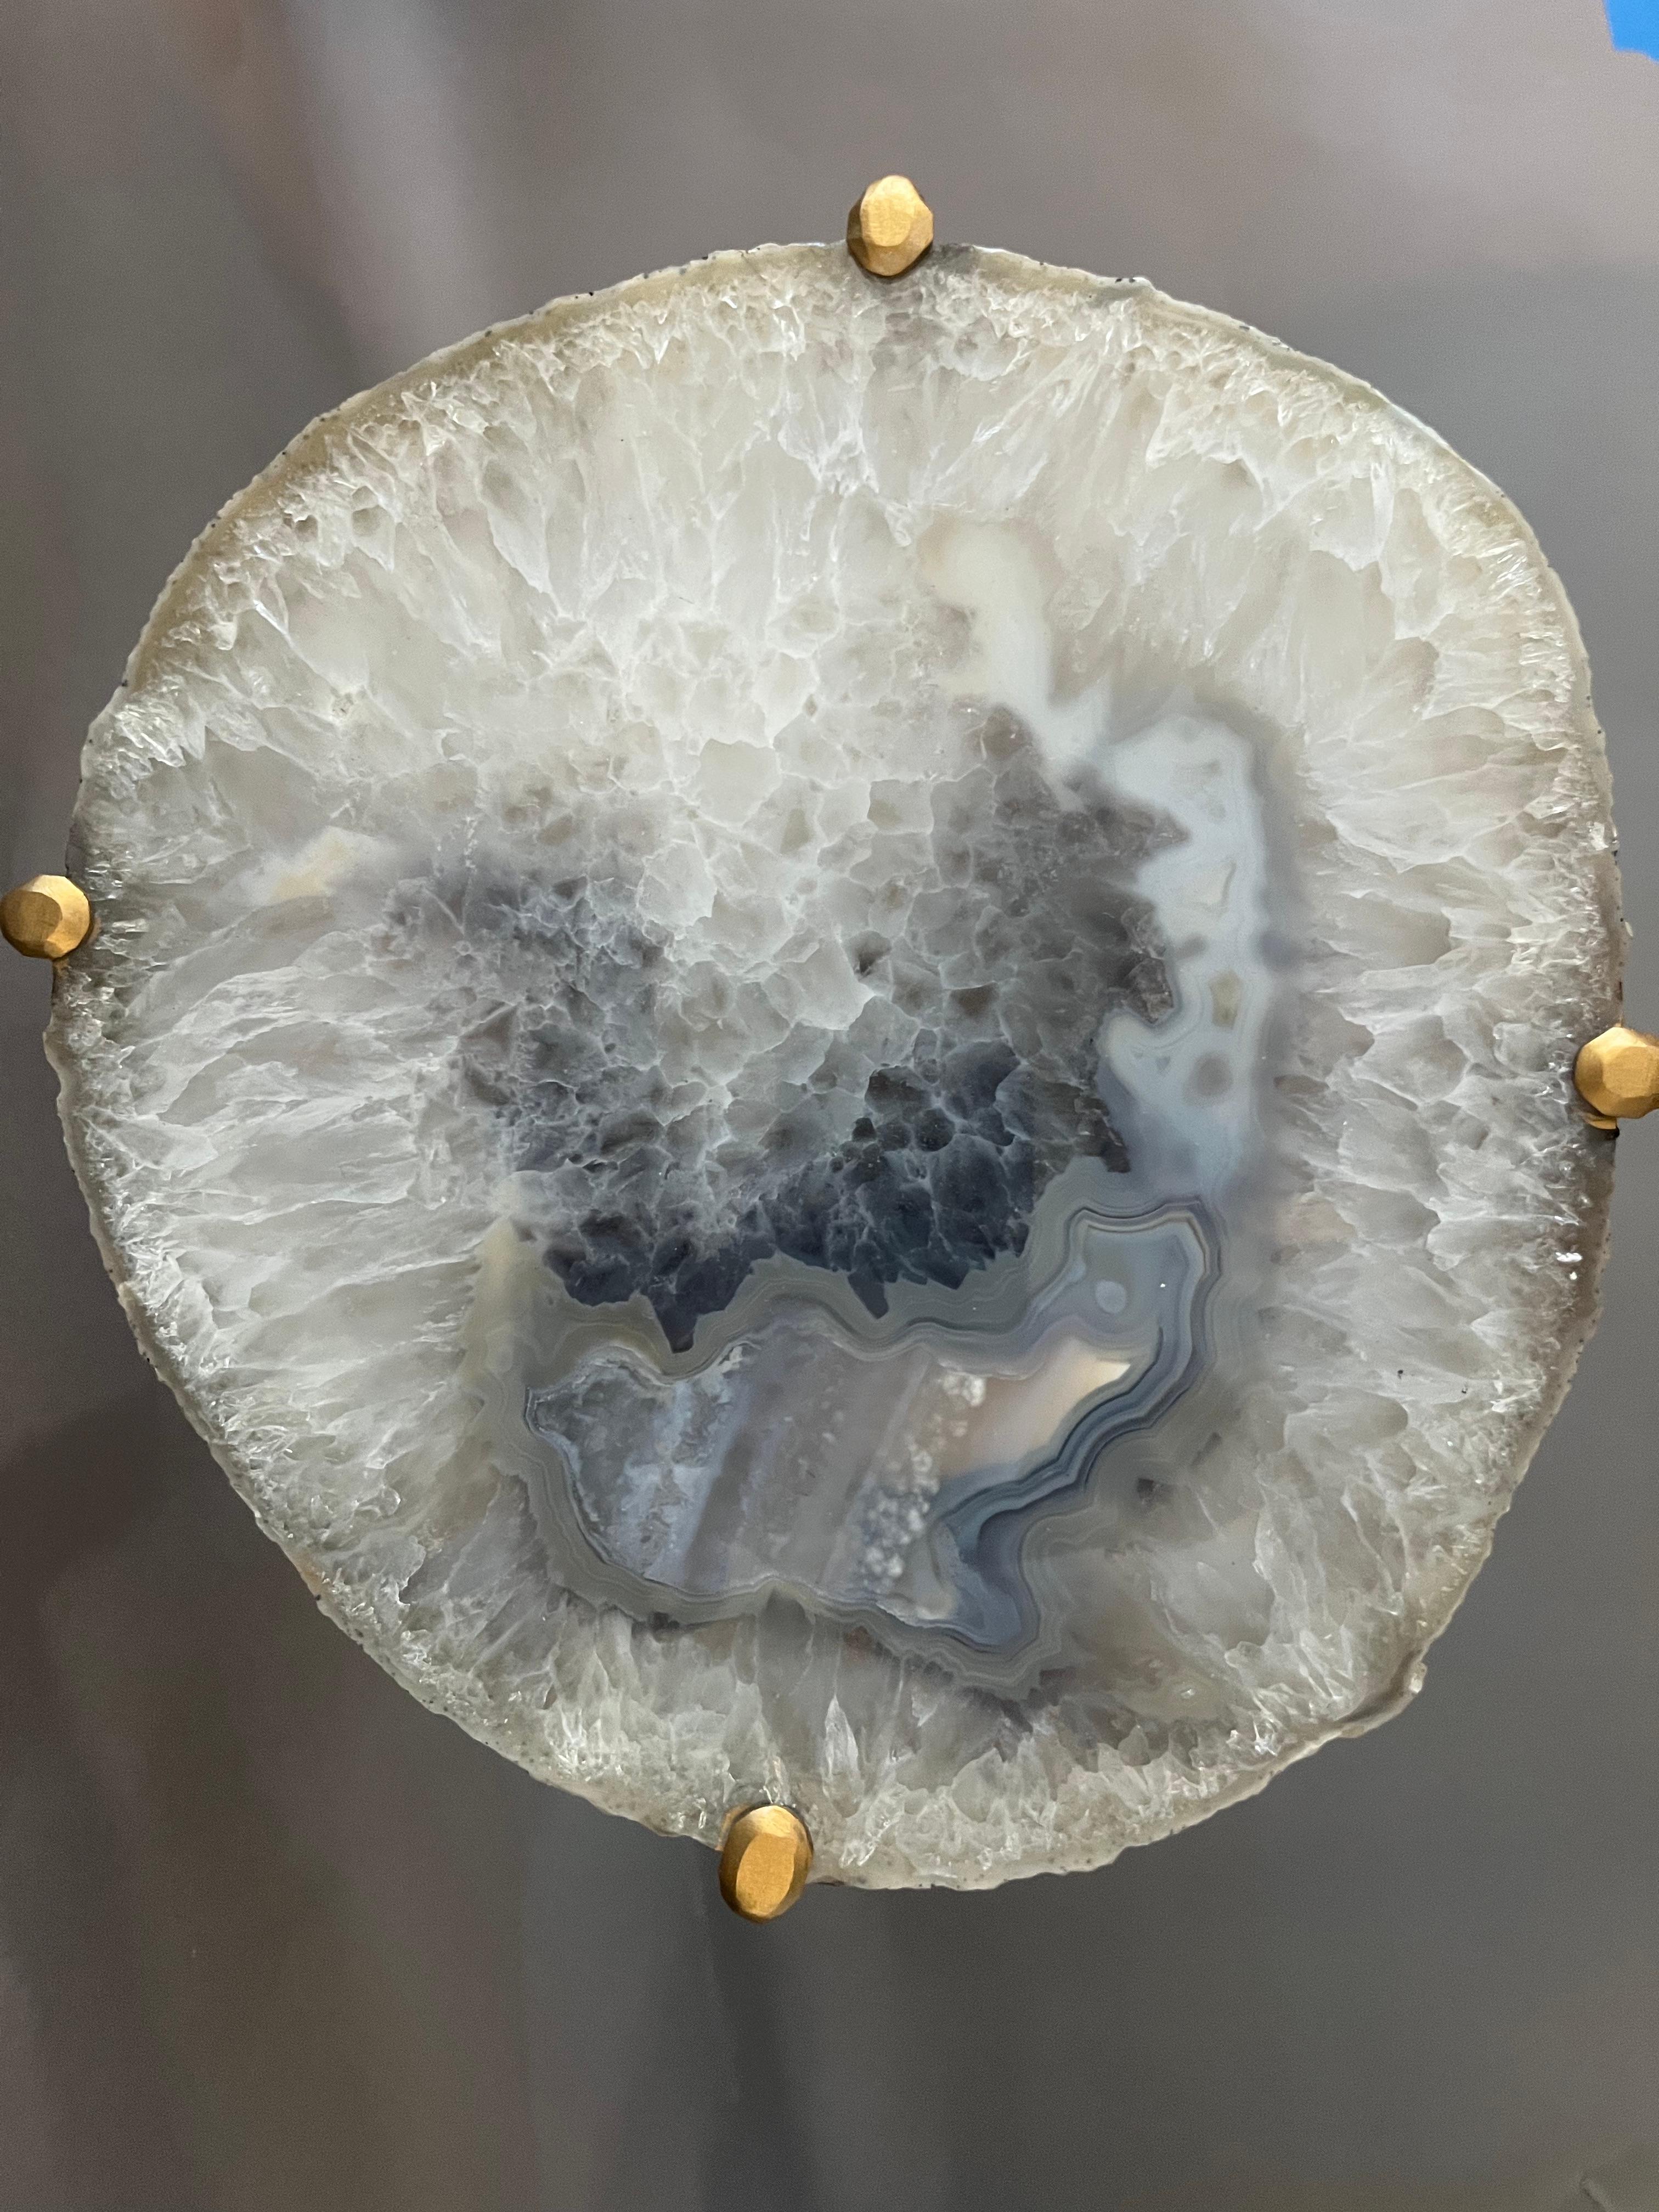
(271, 1937)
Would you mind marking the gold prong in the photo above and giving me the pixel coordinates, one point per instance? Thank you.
(46, 918)
(1618, 1076)
(890, 229)
(764, 1862)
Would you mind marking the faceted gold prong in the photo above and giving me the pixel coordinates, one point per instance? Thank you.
(764, 1862)
(890, 227)
(46, 918)
(1618, 1075)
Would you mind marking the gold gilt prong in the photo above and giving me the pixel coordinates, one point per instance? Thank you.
(890, 227)
(764, 1862)
(1618, 1076)
(46, 918)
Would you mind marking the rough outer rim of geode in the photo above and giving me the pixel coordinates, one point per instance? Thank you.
(967, 1831)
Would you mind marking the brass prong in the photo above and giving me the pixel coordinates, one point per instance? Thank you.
(890, 229)
(764, 1862)
(46, 918)
(1618, 1076)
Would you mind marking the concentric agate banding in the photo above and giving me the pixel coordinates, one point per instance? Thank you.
(832, 1043)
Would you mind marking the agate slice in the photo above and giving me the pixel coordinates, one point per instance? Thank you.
(831, 1043)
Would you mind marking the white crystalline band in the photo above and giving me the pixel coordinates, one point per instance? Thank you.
(832, 1040)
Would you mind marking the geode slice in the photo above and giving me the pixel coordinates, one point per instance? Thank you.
(832, 1042)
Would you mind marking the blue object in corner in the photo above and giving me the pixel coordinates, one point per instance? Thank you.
(1635, 26)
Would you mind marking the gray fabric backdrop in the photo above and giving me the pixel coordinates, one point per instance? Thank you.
(270, 1936)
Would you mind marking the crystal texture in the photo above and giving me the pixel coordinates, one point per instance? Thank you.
(831, 1042)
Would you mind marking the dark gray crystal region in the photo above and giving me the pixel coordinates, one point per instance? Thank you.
(918, 1169)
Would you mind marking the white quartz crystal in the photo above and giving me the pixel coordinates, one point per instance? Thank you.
(831, 1043)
